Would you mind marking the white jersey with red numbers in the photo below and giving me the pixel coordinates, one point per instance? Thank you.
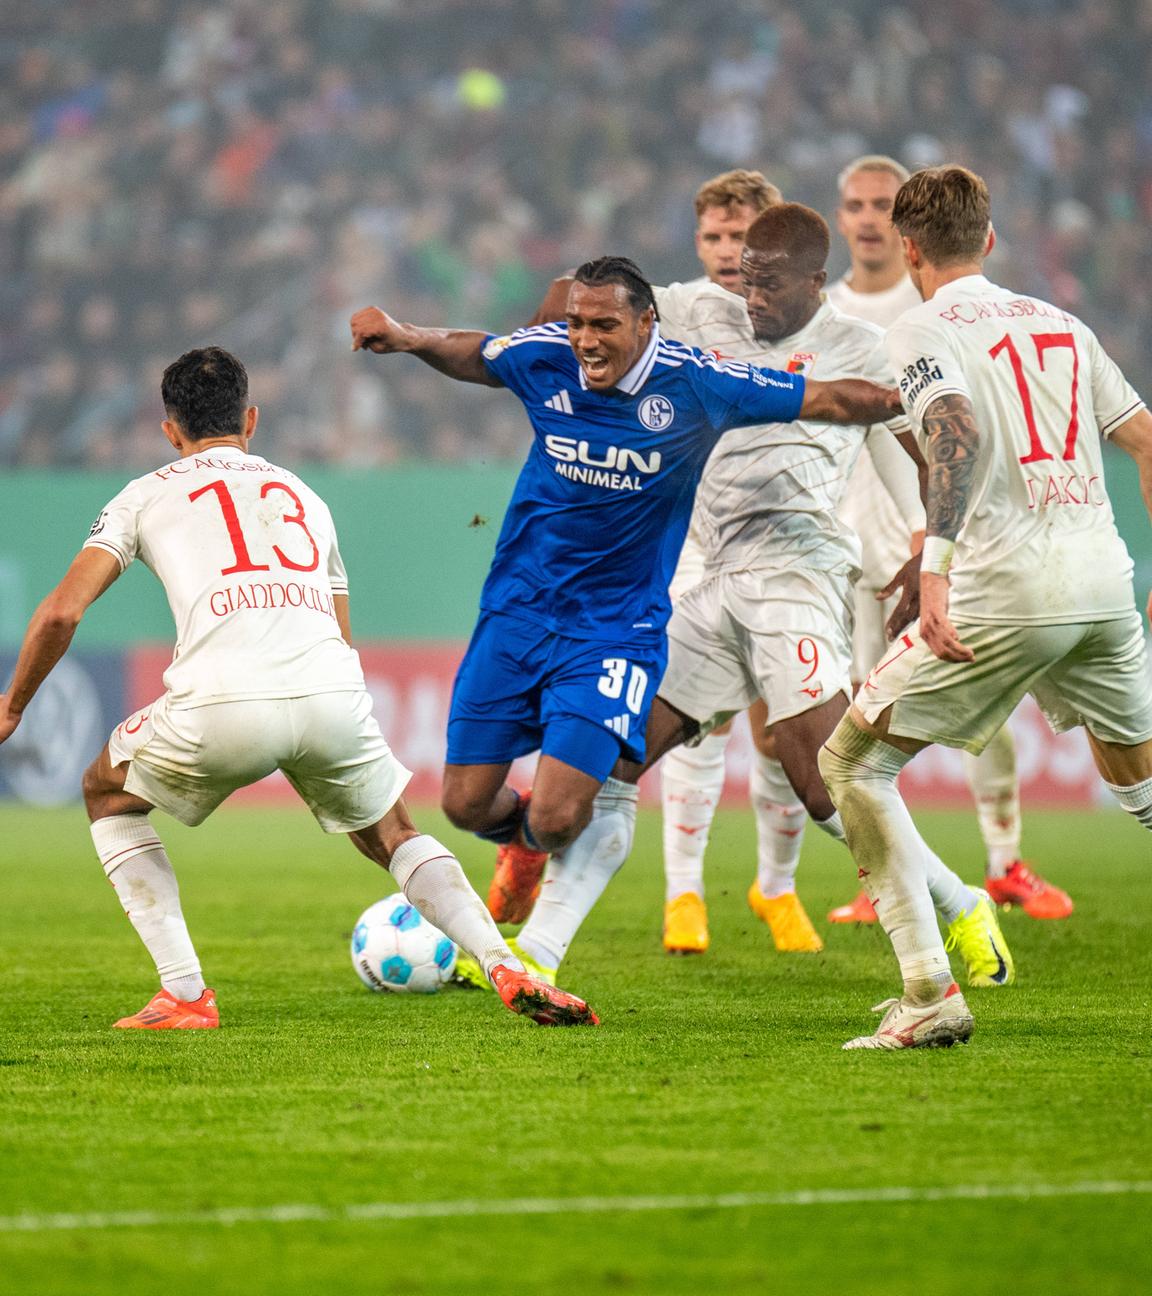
(868, 508)
(1038, 544)
(247, 555)
(769, 494)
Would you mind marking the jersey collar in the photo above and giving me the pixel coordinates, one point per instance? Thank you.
(638, 375)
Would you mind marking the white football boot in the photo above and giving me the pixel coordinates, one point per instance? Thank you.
(906, 1025)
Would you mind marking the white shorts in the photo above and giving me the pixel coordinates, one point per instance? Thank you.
(187, 761)
(783, 636)
(689, 568)
(869, 640)
(1095, 674)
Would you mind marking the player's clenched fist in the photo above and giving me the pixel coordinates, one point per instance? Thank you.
(373, 330)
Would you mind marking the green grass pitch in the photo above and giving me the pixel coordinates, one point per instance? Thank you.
(717, 1075)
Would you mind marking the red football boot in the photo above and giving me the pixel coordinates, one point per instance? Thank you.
(1038, 898)
(545, 1004)
(516, 882)
(859, 911)
(163, 1012)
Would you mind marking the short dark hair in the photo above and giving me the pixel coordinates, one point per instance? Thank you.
(619, 270)
(206, 393)
(793, 229)
(946, 211)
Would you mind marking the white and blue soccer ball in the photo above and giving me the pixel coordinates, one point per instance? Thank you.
(393, 948)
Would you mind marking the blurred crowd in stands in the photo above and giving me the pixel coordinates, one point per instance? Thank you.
(179, 172)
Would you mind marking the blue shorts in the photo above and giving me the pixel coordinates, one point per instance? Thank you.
(522, 688)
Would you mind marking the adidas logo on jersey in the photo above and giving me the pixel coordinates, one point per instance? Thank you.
(620, 725)
(561, 403)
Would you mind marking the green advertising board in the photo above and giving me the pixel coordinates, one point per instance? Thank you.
(416, 540)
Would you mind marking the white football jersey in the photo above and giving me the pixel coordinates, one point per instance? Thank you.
(880, 308)
(769, 494)
(884, 527)
(1039, 544)
(247, 556)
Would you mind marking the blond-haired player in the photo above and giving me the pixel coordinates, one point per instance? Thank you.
(1025, 587)
(879, 289)
(263, 678)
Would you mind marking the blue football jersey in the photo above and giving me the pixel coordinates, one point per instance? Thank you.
(601, 507)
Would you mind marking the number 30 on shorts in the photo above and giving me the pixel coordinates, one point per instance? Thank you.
(611, 683)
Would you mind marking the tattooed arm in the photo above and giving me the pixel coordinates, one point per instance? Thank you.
(952, 443)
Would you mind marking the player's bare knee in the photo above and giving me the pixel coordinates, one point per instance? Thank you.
(463, 808)
(95, 789)
(554, 825)
(816, 798)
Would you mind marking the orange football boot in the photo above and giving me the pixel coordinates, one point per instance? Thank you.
(163, 1012)
(1038, 898)
(516, 882)
(859, 911)
(545, 1004)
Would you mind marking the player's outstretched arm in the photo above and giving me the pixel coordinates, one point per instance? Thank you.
(849, 400)
(1134, 437)
(455, 352)
(952, 442)
(51, 629)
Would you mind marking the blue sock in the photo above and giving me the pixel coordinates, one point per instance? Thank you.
(507, 829)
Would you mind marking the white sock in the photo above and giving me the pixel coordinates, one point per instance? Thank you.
(833, 826)
(951, 896)
(861, 772)
(575, 877)
(432, 879)
(996, 791)
(1137, 800)
(780, 820)
(138, 867)
(691, 782)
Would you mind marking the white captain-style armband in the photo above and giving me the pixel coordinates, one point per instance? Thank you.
(937, 555)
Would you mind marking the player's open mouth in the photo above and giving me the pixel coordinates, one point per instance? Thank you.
(594, 366)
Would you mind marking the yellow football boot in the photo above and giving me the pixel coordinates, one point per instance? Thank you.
(469, 973)
(791, 928)
(537, 969)
(686, 924)
(982, 946)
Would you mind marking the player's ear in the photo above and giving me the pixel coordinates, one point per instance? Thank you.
(991, 243)
(912, 257)
(647, 319)
(820, 278)
(251, 418)
(172, 432)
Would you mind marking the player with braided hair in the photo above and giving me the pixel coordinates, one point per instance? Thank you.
(570, 644)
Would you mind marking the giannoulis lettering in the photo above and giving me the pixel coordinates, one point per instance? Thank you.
(262, 595)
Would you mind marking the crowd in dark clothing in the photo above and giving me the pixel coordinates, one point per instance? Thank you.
(175, 173)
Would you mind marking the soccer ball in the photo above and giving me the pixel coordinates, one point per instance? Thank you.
(393, 948)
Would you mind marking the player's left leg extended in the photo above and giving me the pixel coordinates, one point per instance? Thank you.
(432, 879)
(137, 865)
(860, 769)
